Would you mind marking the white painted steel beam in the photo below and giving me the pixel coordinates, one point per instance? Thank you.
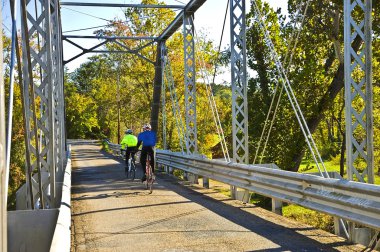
(239, 82)
(110, 37)
(189, 9)
(120, 5)
(190, 90)
(358, 90)
(43, 95)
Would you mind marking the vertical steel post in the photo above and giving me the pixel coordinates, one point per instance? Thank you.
(358, 94)
(358, 91)
(57, 76)
(3, 185)
(190, 90)
(40, 92)
(239, 84)
(49, 89)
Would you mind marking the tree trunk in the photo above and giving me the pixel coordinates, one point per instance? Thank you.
(156, 90)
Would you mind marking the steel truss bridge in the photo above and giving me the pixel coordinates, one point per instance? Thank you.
(46, 194)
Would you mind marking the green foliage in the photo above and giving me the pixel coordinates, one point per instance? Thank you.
(309, 217)
(105, 146)
(17, 174)
(81, 114)
(316, 76)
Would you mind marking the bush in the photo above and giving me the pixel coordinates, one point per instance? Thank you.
(309, 217)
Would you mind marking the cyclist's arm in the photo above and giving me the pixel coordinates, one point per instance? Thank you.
(138, 144)
(123, 143)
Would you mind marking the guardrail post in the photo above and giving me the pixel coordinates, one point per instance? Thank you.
(277, 206)
(206, 183)
(338, 227)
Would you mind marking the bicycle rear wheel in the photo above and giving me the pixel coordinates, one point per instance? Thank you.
(132, 171)
(127, 168)
(150, 180)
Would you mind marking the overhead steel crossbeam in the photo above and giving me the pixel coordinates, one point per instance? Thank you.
(120, 5)
(108, 39)
(189, 9)
(358, 90)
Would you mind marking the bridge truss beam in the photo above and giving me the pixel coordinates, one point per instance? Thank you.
(190, 91)
(239, 85)
(43, 98)
(358, 90)
(239, 82)
(119, 5)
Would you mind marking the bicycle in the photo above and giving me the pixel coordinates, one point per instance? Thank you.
(130, 169)
(150, 178)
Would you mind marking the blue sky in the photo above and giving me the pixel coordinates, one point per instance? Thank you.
(208, 19)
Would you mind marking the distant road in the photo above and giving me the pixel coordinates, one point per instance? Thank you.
(110, 213)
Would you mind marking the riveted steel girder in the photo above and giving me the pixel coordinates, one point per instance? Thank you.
(358, 90)
(239, 82)
(190, 91)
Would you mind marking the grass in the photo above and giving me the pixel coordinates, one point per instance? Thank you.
(310, 217)
(331, 166)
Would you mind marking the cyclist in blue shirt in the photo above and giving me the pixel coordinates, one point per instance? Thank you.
(148, 139)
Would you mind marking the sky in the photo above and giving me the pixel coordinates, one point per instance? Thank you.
(208, 20)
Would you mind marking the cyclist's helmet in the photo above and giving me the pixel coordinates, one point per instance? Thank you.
(147, 127)
(128, 131)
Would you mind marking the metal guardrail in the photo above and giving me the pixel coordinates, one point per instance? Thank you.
(115, 148)
(62, 233)
(353, 201)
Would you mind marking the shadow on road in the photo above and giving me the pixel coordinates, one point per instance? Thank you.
(110, 177)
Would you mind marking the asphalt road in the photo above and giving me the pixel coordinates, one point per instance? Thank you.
(111, 213)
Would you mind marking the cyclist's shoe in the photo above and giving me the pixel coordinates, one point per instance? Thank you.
(143, 178)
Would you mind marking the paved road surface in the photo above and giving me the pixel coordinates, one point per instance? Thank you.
(110, 213)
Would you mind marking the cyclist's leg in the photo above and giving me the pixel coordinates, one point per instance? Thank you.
(127, 154)
(133, 152)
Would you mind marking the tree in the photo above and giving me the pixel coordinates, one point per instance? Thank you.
(316, 74)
